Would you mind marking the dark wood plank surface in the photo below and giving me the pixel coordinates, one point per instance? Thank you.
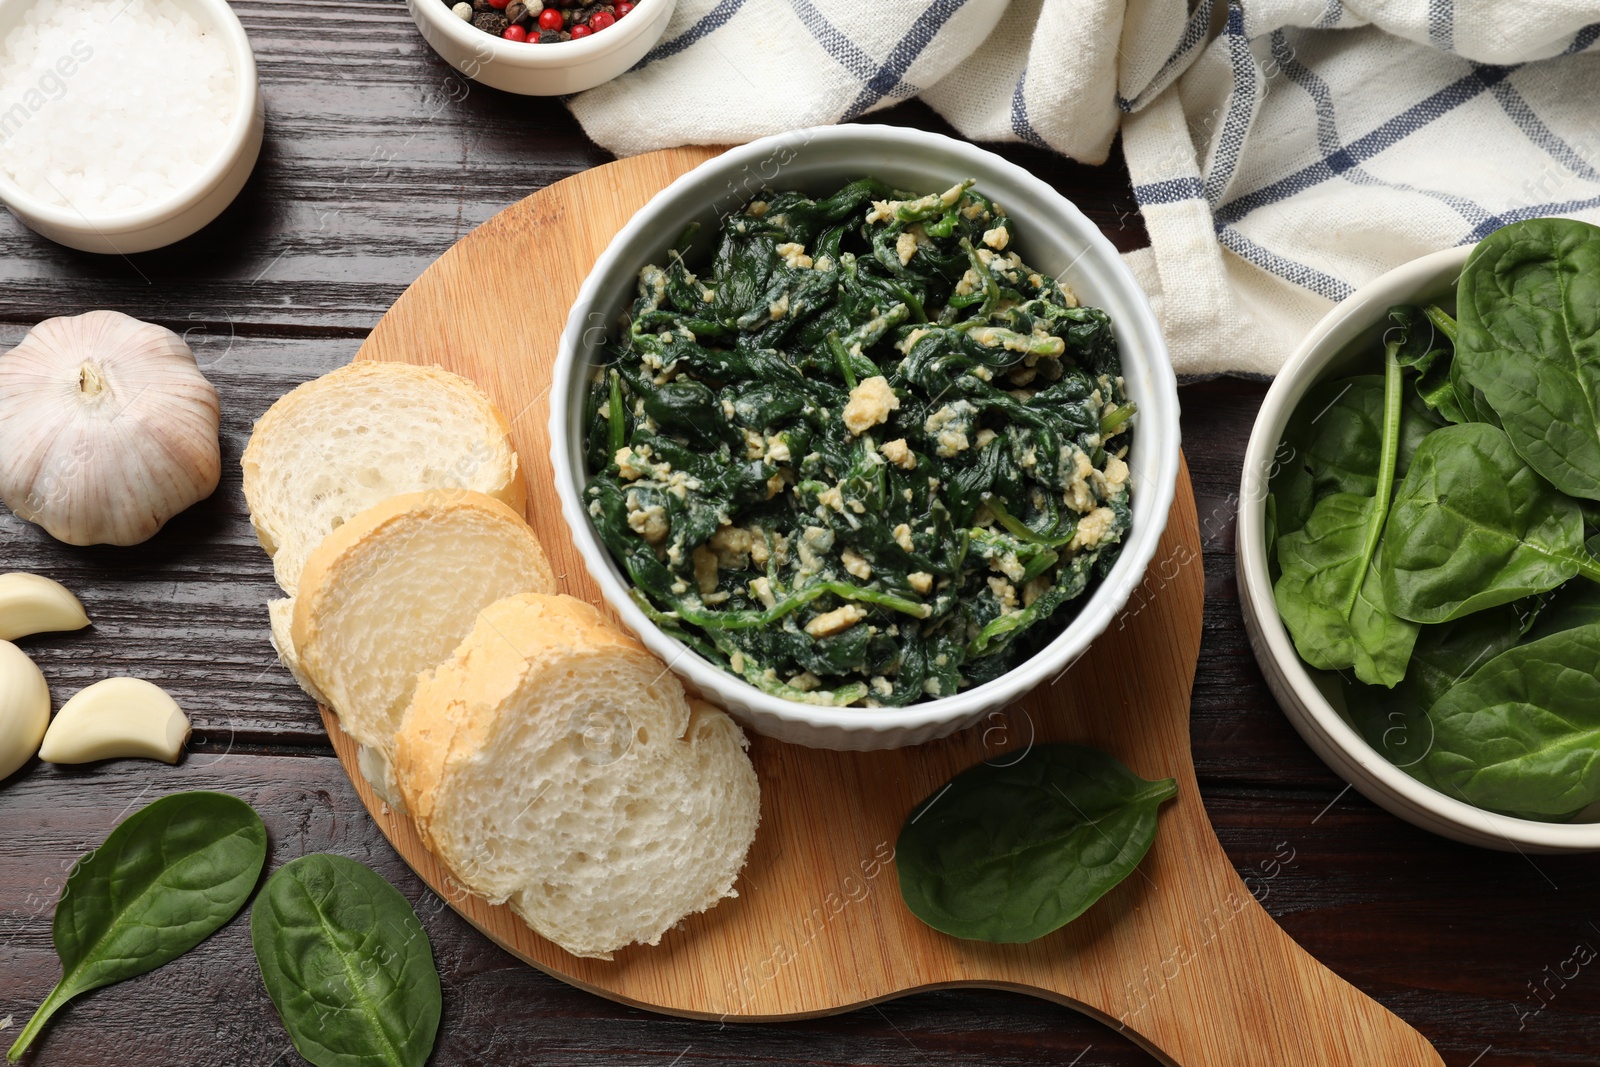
(378, 158)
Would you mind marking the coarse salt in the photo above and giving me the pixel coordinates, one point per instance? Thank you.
(109, 105)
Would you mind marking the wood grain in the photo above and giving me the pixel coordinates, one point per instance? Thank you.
(1182, 957)
(378, 159)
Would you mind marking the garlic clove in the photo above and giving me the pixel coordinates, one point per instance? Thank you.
(24, 708)
(108, 428)
(117, 718)
(31, 604)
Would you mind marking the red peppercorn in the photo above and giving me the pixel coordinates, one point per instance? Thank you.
(623, 8)
(515, 33)
(549, 19)
(499, 5)
(600, 20)
(580, 31)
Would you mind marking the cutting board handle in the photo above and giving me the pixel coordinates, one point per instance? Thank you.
(1231, 989)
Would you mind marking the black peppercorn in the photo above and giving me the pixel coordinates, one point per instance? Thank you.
(491, 22)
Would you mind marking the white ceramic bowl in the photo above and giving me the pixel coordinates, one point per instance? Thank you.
(1052, 235)
(186, 211)
(541, 69)
(1345, 340)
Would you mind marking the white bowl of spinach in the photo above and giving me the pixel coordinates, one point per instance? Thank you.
(1417, 543)
(860, 452)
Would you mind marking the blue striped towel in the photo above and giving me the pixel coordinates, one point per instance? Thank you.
(1283, 152)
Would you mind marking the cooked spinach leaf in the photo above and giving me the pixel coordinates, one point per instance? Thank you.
(1529, 305)
(347, 964)
(866, 454)
(173, 873)
(1010, 853)
(1474, 526)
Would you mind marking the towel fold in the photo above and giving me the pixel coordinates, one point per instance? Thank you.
(1283, 152)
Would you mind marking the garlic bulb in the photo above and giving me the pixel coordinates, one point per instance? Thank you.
(107, 428)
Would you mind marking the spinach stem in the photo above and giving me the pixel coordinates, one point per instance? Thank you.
(51, 1003)
(756, 620)
(1021, 530)
(1110, 422)
(1589, 567)
(619, 417)
(1441, 321)
(1387, 459)
(842, 358)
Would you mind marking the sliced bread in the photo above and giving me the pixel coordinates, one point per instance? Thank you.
(392, 592)
(554, 763)
(280, 613)
(368, 431)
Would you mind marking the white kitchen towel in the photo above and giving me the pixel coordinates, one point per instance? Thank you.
(1283, 152)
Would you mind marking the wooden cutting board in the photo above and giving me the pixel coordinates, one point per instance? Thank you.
(1180, 956)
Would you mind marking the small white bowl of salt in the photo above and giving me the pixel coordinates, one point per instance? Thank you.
(125, 125)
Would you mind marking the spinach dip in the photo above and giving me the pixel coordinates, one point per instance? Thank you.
(865, 455)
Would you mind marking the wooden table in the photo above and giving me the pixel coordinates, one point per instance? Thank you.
(377, 158)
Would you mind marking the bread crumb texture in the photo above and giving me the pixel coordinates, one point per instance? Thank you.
(393, 591)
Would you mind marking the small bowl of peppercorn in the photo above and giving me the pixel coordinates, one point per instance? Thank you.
(541, 49)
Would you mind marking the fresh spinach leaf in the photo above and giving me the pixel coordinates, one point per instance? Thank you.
(1332, 445)
(1328, 592)
(1009, 853)
(1439, 385)
(1398, 729)
(1522, 734)
(1474, 526)
(1529, 306)
(1413, 338)
(1333, 442)
(1395, 722)
(1575, 604)
(173, 873)
(1442, 386)
(347, 964)
(1331, 597)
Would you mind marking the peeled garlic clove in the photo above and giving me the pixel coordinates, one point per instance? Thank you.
(117, 718)
(31, 604)
(107, 427)
(24, 708)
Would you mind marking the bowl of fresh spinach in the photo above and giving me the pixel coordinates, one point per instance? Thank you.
(1417, 539)
(864, 431)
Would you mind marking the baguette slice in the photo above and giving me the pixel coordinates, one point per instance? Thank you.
(280, 613)
(337, 445)
(391, 592)
(554, 763)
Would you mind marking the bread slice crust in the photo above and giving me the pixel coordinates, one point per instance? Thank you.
(362, 596)
(325, 451)
(622, 807)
